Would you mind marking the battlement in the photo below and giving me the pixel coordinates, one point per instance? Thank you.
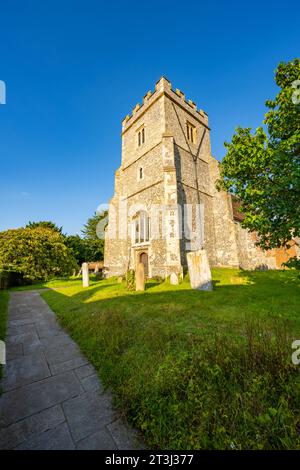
(163, 85)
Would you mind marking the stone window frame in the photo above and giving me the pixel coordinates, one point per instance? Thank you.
(191, 132)
(138, 236)
(141, 136)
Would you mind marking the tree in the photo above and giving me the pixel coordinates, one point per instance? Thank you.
(37, 253)
(45, 224)
(92, 230)
(263, 168)
(79, 248)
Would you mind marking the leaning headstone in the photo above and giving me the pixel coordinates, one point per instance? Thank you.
(140, 277)
(85, 275)
(174, 279)
(199, 270)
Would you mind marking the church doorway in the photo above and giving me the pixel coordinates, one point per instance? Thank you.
(144, 259)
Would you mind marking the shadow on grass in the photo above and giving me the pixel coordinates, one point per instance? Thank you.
(264, 294)
(151, 284)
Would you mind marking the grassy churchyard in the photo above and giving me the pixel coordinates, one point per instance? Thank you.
(190, 369)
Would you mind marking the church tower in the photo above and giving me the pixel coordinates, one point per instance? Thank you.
(165, 169)
(165, 202)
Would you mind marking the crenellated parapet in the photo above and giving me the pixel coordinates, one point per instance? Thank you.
(163, 86)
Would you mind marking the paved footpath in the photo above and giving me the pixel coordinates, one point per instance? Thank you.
(52, 397)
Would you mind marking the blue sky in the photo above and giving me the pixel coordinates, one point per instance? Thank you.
(74, 69)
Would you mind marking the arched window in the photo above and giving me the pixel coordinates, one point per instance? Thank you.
(141, 228)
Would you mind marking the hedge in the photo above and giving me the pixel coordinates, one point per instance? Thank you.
(11, 279)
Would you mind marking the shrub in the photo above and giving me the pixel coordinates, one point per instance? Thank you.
(4, 280)
(11, 279)
(35, 253)
(98, 276)
(130, 279)
(158, 279)
(293, 263)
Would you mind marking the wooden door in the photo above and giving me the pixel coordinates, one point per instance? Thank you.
(144, 260)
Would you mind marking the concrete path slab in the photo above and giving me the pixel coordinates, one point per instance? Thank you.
(52, 397)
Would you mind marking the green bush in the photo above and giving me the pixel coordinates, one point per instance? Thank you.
(157, 279)
(293, 263)
(35, 253)
(130, 279)
(98, 276)
(4, 280)
(11, 279)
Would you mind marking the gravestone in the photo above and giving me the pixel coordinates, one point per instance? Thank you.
(85, 275)
(174, 279)
(199, 270)
(140, 277)
(2, 353)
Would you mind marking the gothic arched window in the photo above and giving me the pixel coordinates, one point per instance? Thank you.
(141, 228)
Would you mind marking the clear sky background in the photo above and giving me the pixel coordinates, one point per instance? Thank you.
(73, 69)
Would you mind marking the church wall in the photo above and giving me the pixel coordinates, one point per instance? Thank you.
(226, 250)
(235, 246)
(115, 248)
(152, 168)
(189, 196)
(250, 255)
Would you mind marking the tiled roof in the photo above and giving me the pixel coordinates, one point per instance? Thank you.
(236, 204)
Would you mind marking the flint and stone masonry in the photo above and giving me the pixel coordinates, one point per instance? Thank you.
(166, 160)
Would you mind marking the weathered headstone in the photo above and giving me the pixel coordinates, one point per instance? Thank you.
(85, 275)
(2, 353)
(199, 270)
(140, 277)
(174, 279)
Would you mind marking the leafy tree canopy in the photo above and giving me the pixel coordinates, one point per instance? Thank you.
(78, 246)
(93, 233)
(45, 224)
(263, 168)
(38, 253)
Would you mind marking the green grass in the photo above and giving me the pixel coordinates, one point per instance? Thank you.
(4, 297)
(195, 369)
(55, 283)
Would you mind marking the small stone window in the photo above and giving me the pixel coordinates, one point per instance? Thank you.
(141, 136)
(141, 173)
(191, 132)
